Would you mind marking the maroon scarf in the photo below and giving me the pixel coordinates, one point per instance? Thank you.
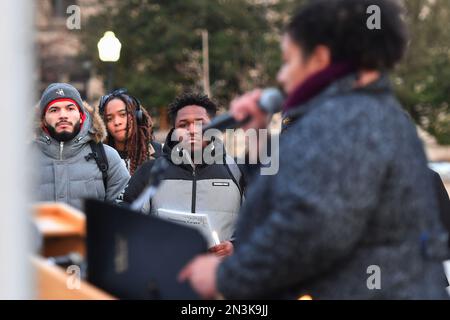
(316, 83)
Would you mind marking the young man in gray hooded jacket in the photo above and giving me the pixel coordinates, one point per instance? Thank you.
(67, 169)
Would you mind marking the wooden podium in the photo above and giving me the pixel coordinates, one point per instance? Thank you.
(63, 229)
(53, 284)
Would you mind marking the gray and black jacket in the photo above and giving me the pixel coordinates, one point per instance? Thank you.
(204, 188)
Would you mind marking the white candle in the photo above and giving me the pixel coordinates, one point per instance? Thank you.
(215, 237)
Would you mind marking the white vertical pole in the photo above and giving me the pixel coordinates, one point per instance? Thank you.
(16, 105)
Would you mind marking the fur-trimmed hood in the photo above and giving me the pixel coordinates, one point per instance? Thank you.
(98, 129)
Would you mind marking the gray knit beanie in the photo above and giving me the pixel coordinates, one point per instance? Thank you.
(57, 91)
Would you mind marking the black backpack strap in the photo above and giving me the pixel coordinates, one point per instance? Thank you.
(99, 155)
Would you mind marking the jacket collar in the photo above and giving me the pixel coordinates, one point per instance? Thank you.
(317, 82)
(54, 149)
(343, 86)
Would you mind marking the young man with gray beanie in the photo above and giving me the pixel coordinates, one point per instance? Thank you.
(69, 146)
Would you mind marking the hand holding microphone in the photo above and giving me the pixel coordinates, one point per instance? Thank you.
(246, 108)
(252, 110)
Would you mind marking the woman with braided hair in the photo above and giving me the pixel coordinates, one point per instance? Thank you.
(130, 128)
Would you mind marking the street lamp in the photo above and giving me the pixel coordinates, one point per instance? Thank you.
(109, 51)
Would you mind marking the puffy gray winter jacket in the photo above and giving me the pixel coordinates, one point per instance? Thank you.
(64, 174)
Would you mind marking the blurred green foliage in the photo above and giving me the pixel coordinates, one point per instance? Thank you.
(162, 45)
(162, 51)
(422, 80)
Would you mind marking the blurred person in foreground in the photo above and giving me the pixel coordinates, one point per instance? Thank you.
(352, 212)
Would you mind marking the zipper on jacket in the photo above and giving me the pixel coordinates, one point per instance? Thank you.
(194, 189)
(61, 147)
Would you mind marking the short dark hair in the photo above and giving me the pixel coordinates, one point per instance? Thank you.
(341, 25)
(189, 99)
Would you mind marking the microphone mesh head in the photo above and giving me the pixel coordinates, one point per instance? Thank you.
(271, 100)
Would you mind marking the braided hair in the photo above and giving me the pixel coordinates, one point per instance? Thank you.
(138, 139)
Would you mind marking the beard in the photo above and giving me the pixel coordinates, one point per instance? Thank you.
(64, 136)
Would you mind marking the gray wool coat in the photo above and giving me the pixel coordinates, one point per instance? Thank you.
(64, 175)
(353, 199)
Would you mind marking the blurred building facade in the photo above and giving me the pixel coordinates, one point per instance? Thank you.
(58, 48)
(59, 51)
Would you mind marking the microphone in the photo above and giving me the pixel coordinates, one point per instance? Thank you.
(270, 102)
(157, 175)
